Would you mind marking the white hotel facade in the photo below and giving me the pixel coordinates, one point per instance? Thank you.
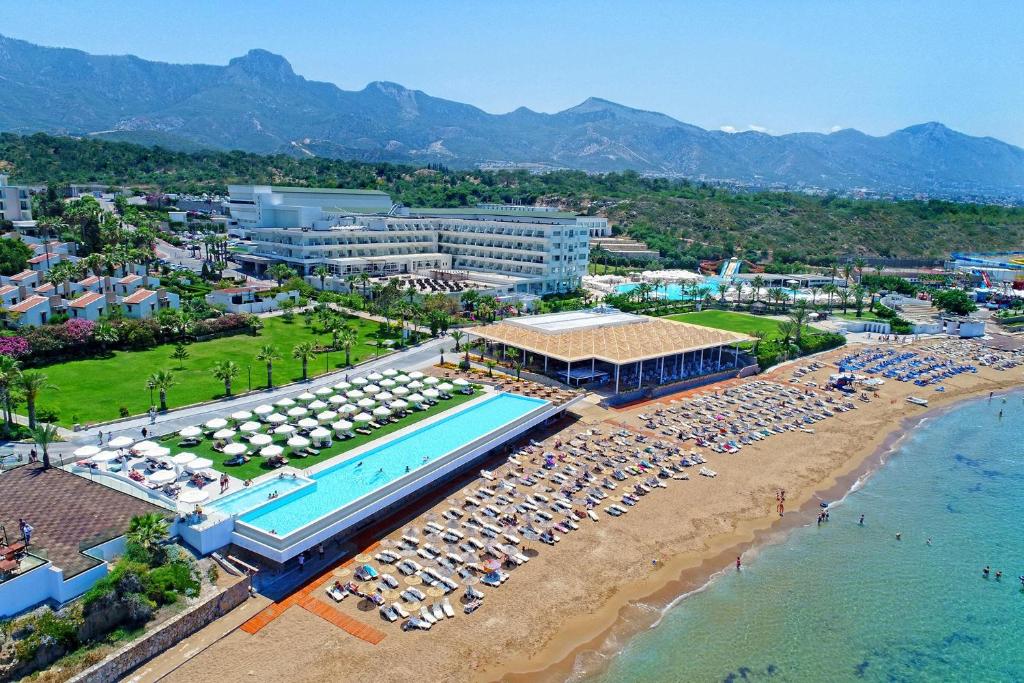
(514, 249)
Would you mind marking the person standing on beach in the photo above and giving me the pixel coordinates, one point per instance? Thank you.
(738, 563)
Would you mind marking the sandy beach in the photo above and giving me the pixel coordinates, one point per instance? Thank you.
(570, 597)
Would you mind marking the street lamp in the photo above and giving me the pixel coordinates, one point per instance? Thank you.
(249, 370)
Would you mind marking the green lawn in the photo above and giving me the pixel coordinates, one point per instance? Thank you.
(257, 465)
(94, 390)
(852, 315)
(735, 322)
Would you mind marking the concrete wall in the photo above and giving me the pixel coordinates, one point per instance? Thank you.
(170, 633)
(46, 582)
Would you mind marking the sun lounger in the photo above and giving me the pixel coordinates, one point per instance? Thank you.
(448, 610)
(336, 594)
(426, 616)
(399, 610)
(437, 612)
(414, 623)
(388, 613)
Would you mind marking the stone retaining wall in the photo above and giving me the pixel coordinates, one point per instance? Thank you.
(168, 634)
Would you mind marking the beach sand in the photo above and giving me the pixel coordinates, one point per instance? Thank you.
(567, 599)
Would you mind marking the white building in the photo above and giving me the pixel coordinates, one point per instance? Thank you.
(521, 251)
(15, 203)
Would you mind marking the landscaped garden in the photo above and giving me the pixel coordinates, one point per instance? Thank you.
(100, 389)
(735, 322)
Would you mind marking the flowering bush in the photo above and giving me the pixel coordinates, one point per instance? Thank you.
(14, 347)
(78, 331)
(226, 323)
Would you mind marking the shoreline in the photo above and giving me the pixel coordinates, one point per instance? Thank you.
(593, 640)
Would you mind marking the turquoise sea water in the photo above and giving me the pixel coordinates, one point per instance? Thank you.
(844, 602)
(352, 479)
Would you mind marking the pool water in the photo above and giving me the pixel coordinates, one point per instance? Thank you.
(255, 495)
(358, 476)
(674, 292)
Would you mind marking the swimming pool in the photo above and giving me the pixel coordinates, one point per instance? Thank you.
(348, 481)
(255, 495)
(675, 292)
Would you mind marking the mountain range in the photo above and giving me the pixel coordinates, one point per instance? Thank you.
(258, 103)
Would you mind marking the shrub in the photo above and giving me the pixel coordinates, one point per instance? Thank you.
(78, 331)
(226, 323)
(14, 346)
(171, 579)
(47, 415)
(123, 411)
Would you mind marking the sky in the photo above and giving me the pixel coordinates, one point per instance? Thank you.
(779, 66)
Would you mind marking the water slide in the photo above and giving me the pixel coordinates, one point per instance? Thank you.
(988, 282)
(730, 267)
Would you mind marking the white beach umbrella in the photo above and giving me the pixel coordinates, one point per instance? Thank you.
(320, 435)
(375, 376)
(297, 412)
(403, 379)
(337, 399)
(235, 449)
(400, 391)
(189, 432)
(298, 442)
(183, 458)
(284, 403)
(223, 434)
(284, 429)
(216, 423)
(324, 391)
(120, 442)
(371, 389)
(398, 404)
(307, 423)
(305, 397)
(384, 396)
(276, 418)
(250, 426)
(459, 382)
(317, 405)
(144, 446)
(199, 464)
(366, 403)
(349, 409)
(363, 417)
(416, 374)
(241, 415)
(390, 372)
(158, 452)
(263, 409)
(260, 439)
(444, 386)
(86, 451)
(342, 386)
(431, 381)
(388, 383)
(192, 496)
(326, 416)
(341, 426)
(271, 451)
(431, 393)
(104, 456)
(360, 382)
(415, 385)
(163, 476)
(381, 411)
(354, 394)
(415, 398)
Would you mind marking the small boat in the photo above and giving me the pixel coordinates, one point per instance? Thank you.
(917, 401)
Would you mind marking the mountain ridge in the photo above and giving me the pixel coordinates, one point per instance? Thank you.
(258, 103)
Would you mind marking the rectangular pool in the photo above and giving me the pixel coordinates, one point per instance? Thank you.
(350, 480)
(255, 495)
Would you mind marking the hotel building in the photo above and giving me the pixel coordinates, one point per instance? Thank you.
(511, 249)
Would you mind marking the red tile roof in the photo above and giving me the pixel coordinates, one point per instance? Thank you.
(44, 257)
(23, 275)
(45, 287)
(7, 289)
(86, 299)
(138, 296)
(91, 280)
(28, 304)
(128, 279)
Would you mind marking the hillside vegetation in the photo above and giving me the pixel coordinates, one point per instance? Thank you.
(684, 221)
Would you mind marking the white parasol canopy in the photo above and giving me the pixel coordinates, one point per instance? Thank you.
(191, 496)
(354, 394)
(263, 409)
(384, 396)
(235, 449)
(158, 452)
(326, 416)
(120, 442)
(199, 464)
(360, 382)
(260, 439)
(276, 418)
(324, 391)
(416, 374)
(104, 456)
(375, 376)
(349, 409)
(320, 435)
(390, 372)
(381, 412)
(297, 412)
(224, 434)
(341, 426)
(371, 389)
(415, 384)
(183, 458)
(342, 386)
(388, 383)
(284, 429)
(398, 404)
(241, 415)
(363, 417)
(86, 451)
(403, 379)
(305, 397)
(444, 386)
(365, 403)
(337, 399)
(163, 476)
(298, 441)
(459, 382)
(431, 393)
(415, 398)
(317, 405)
(189, 432)
(284, 403)
(144, 446)
(250, 426)
(400, 391)
(271, 450)
(431, 381)
(216, 423)
(307, 423)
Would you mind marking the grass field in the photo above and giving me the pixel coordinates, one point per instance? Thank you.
(735, 322)
(257, 465)
(94, 390)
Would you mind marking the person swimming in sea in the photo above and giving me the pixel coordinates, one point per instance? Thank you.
(899, 535)
(861, 522)
(999, 574)
(984, 572)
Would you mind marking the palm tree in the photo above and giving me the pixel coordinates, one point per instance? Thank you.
(758, 336)
(844, 298)
(758, 284)
(322, 271)
(345, 340)
(43, 436)
(457, 336)
(364, 280)
(148, 530)
(491, 364)
(847, 271)
(161, 380)
(815, 291)
(519, 368)
(304, 351)
(8, 377)
(787, 328)
(858, 300)
(225, 371)
(268, 354)
(798, 316)
(831, 290)
(31, 382)
(859, 264)
(280, 272)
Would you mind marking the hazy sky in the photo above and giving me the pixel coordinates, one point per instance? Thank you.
(778, 65)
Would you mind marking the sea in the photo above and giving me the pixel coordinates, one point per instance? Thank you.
(846, 602)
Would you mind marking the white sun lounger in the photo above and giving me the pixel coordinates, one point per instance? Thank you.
(448, 610)
(336, 595)
(427, 616)
(437, 611)
(399, 610)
